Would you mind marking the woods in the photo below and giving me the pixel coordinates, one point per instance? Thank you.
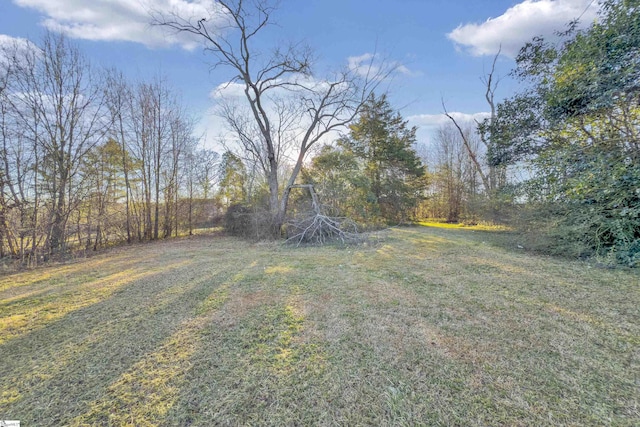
(575, 125)
(90, 158)
(204, 221)
(287, 110)
(374, 173)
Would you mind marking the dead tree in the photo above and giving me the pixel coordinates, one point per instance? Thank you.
(318, 107)
(470, 151)
(496, 176)
(318, 228)
(497, 173)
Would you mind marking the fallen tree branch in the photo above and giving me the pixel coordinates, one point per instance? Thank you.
(321, 229)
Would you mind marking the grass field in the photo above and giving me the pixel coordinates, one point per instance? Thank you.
(429, 326)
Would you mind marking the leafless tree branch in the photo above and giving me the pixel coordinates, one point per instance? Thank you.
(470, 151)
(318, 107)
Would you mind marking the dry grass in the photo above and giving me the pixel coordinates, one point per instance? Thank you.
(432, 326)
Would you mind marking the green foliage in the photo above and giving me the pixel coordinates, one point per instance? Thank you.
(599, 68)
(102, 166)
(514, 131)
(343, 187)
(232, 175)
(374, 174)
(578, 124)
(383, 142)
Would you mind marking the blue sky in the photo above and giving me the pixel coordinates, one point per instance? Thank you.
(444, 46)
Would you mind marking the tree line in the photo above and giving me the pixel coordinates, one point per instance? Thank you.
(576, 126)
(88, 158)
(558, 161)
(572, 133)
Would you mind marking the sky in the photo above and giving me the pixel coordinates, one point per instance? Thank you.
(441, 48)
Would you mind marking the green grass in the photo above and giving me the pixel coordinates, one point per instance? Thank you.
(430, 326)
(474, 227)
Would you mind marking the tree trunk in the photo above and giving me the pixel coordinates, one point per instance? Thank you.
(127, 187)
(58, 220)
(275, 206)
(190, 218)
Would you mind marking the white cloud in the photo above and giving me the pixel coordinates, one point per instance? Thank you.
(214, 131)
(403, 69)
(121, 20)
(295, 84)
(21, 46)
(8, 41)
(363, 65)
(227, 90)
(520, 23)
(433, 121)
(374, 67)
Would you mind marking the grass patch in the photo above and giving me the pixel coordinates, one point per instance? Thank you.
(476, 227)
(432, 326)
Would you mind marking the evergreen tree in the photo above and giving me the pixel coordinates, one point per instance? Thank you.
(384, 142)
(340, 182)
(232, 174)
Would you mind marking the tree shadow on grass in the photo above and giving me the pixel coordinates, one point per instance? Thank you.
(71, 361)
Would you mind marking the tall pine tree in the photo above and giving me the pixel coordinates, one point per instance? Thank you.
(384, 142)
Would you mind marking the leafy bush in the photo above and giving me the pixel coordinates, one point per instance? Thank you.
(576, 125)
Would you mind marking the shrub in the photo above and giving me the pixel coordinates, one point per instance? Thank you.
(249, 222)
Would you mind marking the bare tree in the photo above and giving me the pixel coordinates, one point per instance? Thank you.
(119, 102)
(181, 142)
(160, 133)
(454, 180)
(69, 105)
(72, 149)
(6, 188)
(199, 167)
(204, 169)
(320, 107)
(57, 107)
(21, 134)
(495, 176)
(473, 154)
(497, 173)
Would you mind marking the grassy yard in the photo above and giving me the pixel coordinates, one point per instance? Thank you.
(430, 326)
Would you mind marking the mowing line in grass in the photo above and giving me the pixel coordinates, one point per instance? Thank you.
(59, 361)
(56, 274)
(433, 326)
(144, 394)
(20, 316)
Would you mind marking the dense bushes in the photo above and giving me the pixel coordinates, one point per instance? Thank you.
(577, 124)
(249, 222)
